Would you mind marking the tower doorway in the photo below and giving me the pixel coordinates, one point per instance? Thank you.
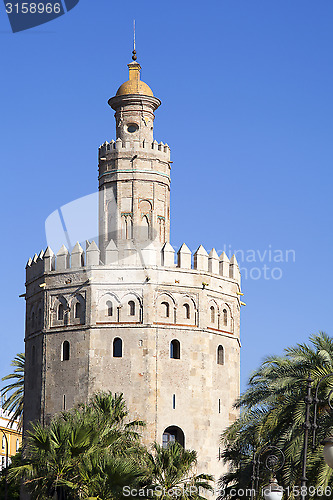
(173, 434)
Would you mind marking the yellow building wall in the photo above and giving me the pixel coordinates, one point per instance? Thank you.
(13, 437)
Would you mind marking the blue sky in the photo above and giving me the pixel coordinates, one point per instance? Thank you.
(246, 90)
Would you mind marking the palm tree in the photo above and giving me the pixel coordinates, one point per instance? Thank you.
(108, 476)
(90, 451)
(52, 459)
(272, 411)
(172, 472)
(14, 403)
(108, 414)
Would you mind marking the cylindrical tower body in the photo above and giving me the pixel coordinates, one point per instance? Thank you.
(167, 337)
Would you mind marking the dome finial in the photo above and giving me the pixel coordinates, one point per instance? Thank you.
(134, 51)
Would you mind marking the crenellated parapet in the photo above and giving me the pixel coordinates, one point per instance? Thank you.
(129, 255)
(160, 149)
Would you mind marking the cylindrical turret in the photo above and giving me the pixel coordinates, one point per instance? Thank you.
(134, 104)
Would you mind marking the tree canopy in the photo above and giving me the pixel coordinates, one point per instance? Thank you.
(95, 452)
(272, 411)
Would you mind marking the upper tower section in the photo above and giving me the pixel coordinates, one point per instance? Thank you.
(134, 171)
(134, 104)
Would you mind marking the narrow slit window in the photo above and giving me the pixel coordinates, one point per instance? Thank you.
(212, 314)
(145, 228)
(174, 401)
(225, 317)
(219, 406)
(220, 355)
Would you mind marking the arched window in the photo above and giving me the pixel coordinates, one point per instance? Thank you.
(187, 311)
(225, 317)
(33, 355)
(3, 442)
(127, 227)
(220, 355)
(166, 309)
(131, 308)
(173, 434)
(212, 314)
(78, 308)
(144, 228)
(175, 349)
(60, 312)
(117, 348)
(17, 445)
(162, 229)
(65, 351)
(124, 228)
(109, 308)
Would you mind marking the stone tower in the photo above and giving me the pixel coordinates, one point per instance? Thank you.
(124, 315)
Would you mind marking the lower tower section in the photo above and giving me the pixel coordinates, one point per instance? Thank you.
(164, 335)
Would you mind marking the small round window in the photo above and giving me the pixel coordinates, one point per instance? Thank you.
(132, 127)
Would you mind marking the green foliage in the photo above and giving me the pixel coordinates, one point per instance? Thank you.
(13, 491)
(272, 410)
(94, 451)
(68, 458)
(15, 390)
(172, 472)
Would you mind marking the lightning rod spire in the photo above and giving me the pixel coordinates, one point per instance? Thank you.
(134, 51)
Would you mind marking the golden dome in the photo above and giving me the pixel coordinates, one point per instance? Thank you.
(134, 85)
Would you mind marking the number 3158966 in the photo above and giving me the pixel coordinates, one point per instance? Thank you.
(33, 8)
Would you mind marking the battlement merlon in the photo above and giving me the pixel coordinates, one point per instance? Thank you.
(160, 150)
(150, 256)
